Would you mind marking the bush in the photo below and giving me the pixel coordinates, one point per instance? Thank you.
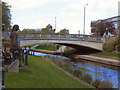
(117, 47)
(59, 63)
(87, 78)
(118, 40)
(78, 73)
(96, 83)
(109, 46)
(68, 67)
(105, 84)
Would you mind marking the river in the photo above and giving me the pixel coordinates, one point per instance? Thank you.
(97, 70)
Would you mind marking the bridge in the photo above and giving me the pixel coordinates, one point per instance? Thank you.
(77, 41)
(73, 40)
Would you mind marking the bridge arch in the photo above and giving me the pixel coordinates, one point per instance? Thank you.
(82, 45)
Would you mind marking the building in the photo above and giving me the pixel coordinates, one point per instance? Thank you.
(113, 20)
(49, 27)
(119, 8)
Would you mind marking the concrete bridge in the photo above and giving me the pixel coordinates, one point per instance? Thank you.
(77, 41)
(72, 43)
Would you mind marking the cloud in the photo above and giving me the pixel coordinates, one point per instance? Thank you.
(68, 12)
(25, 4)
(95, 10)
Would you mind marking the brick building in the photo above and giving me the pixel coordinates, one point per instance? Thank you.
(113, 20)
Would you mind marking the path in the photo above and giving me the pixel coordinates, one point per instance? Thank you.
(99, 59)
(59, 51)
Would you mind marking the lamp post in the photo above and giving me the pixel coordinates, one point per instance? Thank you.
(84, 19)
(79, 33)
(55, 23)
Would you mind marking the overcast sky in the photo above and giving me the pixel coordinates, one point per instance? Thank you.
(69, 13)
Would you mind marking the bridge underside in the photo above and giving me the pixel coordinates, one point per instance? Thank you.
(80, 49)
(78, 45)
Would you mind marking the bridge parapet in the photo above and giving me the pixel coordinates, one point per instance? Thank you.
(56, 36)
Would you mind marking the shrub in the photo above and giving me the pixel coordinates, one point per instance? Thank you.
(118, 40)
(96, 83)
(87, 78)
(58, 63)
(78, 73)
(117, 47)
(68, 67)
(105, 84)
(109, 46)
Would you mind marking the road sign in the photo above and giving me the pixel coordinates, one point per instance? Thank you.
(19, 39)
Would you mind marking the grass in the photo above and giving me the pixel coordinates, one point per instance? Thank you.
(27, 46)
(109, 54)
(41, 74)
(46, 47)
(69, 49)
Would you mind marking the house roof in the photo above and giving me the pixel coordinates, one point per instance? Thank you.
(49, 26)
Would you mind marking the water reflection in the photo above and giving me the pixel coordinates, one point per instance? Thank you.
(98, 71)
(55, 56)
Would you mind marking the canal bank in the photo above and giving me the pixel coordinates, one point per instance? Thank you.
(98, 59)
(60, 51)
(102, 72)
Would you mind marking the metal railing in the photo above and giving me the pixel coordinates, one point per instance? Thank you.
(58, 36)
(75, 37)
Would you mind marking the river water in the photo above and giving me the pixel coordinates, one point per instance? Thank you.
(97, 70)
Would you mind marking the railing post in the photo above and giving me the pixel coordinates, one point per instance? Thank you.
(23, 55)
(3, 77)
(26, 57)
(3, 70)
(33, 53)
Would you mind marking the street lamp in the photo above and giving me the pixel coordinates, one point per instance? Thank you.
(84, 19)
(79, 32)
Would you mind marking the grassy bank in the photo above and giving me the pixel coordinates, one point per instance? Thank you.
(109, 54)
(40, 74)
(69, 50)
(46, 47)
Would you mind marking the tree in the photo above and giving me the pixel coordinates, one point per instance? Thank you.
(27, 31)
(66, 31)
(6, 16)
(101, 28)
(110, 27)
(47, 30)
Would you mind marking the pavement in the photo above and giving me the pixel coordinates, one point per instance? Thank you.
(114, 62)
(59, 51)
